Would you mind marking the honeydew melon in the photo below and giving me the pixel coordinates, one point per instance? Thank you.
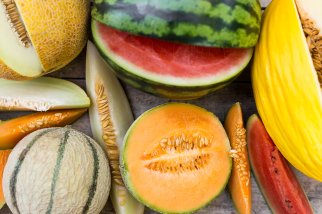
(41, 94)
(110, 117)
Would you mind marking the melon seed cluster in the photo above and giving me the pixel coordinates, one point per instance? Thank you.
(15, 21)
(314, 41)
(42, 122)
(176, 144)
(109, 136)
(183, 142)
(239, 153)
(181, 165)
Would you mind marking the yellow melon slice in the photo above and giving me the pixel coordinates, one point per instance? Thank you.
(38, 37)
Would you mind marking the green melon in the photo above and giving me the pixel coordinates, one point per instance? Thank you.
(200, 22)
(56, 170)
(172, 70)
(41, 94)
(110, 116)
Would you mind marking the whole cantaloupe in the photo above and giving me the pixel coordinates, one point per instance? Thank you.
(56, 170)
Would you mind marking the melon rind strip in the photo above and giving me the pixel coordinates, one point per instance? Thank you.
(110, 108)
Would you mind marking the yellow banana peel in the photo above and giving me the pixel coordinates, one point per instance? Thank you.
(286, 88)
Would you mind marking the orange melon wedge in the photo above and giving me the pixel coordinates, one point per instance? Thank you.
(12, 131)
(239, 182)
(4, 154)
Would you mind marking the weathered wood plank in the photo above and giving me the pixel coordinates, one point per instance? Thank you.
(265, 3)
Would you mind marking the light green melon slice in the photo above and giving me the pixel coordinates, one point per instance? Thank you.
(41, 94)
(110, 117)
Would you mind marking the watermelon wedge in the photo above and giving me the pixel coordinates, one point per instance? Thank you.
(172, 70)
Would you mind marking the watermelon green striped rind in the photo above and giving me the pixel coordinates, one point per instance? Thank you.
(172, 70)
(56, 170)
(215, 23)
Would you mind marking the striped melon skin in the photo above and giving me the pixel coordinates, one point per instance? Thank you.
(164, 85)
(56, 170)
(200, 22)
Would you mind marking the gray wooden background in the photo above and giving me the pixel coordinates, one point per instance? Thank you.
(218, 103)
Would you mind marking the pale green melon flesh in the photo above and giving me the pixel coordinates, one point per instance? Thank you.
(21, 59)
(41, 94)
(116, 103)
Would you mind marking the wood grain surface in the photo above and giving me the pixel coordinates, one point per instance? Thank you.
(218, 103)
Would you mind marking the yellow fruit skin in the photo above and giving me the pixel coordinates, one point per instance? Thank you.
(8, 73)
(56, 28)
(286, 88)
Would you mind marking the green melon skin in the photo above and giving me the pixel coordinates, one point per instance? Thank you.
(199, 22)
(157, 86)
(124, 169)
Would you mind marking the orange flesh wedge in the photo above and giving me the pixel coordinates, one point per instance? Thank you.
(176, 158)
(12, 131)
(239, 183)
(4, 154)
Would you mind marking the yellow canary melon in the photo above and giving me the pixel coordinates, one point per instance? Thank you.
(38, 37)
(286, 76)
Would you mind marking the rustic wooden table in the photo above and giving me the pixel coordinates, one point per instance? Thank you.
(218, 103)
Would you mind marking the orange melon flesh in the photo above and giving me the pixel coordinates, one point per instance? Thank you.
(4, 154)
(239, 182)
(176, 176)
(12, 131)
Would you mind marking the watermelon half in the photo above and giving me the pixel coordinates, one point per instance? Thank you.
(172, 70)
(212, 23)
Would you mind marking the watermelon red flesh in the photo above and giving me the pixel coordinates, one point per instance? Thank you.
(172, 59)
(276, 180)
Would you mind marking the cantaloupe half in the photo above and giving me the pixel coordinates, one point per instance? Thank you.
(175, 158)
(38, 37)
